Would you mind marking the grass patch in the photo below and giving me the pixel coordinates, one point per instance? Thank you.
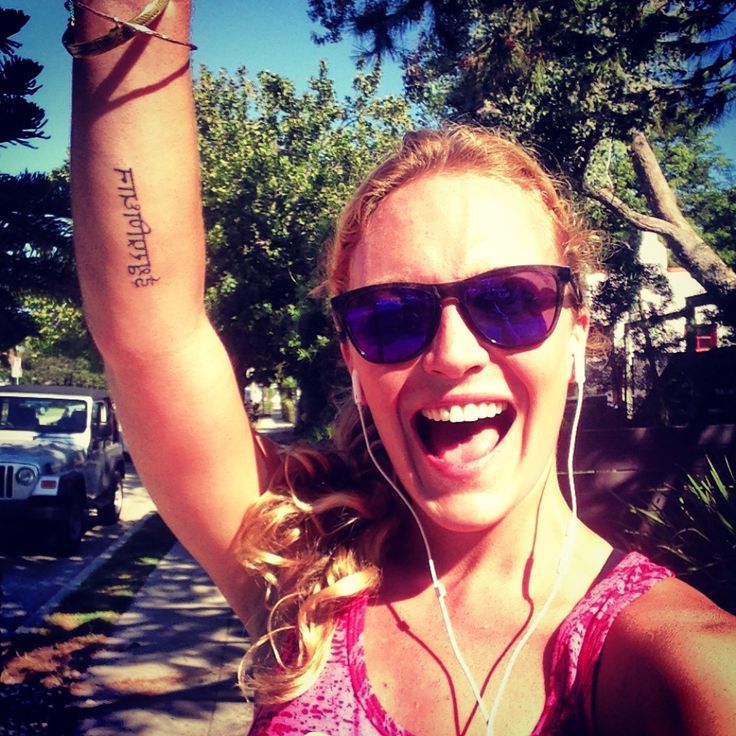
(41, 667)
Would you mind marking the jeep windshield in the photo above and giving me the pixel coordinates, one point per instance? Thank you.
(42, 414)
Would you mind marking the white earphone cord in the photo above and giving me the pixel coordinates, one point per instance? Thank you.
(568, 542)
(565, 555)
(437, 584)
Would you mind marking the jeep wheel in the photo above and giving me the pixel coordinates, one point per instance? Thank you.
(71, 526)
(110, 512)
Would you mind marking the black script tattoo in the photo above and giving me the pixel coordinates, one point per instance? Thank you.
(137, 229)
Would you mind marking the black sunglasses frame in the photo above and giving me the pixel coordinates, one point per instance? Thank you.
(454, 292)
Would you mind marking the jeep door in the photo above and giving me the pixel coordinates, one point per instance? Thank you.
(97, 471)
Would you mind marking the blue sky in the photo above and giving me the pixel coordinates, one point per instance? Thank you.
(255, 33)
(229, 33)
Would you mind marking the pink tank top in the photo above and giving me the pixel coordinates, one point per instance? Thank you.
(343, 703)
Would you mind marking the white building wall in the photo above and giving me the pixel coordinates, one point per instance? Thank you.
(670, 335)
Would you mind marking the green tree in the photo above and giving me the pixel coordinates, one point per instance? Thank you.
(35, 248)
(60, 326)
(276, 167)
(35, 229)
(61, 350)
(22, 119)
(570, 77)
(705, 182)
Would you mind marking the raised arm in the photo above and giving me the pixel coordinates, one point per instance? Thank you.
(139, 239)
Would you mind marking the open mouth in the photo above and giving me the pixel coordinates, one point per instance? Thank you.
(463, 433)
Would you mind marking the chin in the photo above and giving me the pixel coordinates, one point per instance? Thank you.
(465, 511)
(480, 500)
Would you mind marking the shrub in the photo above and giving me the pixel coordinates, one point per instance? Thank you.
(692, 530)
(288, 409)
(62, 371)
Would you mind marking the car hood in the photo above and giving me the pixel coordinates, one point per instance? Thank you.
(45, 454)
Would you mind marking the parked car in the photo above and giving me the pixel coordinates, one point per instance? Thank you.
(61, 456)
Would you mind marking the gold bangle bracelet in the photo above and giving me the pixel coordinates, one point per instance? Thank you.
(120, 33)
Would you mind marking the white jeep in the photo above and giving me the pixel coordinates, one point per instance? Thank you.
(61, 455)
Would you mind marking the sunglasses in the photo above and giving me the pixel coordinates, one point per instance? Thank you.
(514, 307)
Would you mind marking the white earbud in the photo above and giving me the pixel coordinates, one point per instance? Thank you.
(357, 391)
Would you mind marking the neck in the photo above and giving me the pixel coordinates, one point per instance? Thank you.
(517, 556)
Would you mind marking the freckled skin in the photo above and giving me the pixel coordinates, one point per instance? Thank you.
(445, 227)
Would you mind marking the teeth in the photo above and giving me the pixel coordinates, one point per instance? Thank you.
(465, 413)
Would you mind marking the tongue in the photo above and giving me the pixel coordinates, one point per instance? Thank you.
(462, 442)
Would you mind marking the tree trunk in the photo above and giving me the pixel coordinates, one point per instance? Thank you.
(667, 220)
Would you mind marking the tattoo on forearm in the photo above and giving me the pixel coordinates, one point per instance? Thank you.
(137, 229)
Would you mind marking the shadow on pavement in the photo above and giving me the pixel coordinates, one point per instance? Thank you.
(171, 663)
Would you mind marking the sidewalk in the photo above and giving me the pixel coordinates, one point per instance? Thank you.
(170, 666)
(277, 429)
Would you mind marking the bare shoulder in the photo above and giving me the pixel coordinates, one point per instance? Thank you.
(669, 666)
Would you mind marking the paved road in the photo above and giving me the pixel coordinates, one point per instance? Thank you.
(30, 576)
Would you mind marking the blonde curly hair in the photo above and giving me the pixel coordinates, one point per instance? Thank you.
(318, 538)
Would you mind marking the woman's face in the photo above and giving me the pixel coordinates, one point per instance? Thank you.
(465, 475)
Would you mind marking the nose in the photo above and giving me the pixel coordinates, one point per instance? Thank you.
(455, 351)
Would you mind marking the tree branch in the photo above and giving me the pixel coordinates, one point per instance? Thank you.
(682, 239)
(608, 198)
(660, 196)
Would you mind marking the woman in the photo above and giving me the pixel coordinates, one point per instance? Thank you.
(456, 271)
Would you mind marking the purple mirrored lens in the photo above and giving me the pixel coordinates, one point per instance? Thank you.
(513, 310)
(390, 325)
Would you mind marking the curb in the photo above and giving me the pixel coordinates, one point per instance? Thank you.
(34, 620)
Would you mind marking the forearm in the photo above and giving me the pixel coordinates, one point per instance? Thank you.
(138, 229)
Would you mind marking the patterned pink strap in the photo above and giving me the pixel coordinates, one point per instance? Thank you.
(581, 638)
